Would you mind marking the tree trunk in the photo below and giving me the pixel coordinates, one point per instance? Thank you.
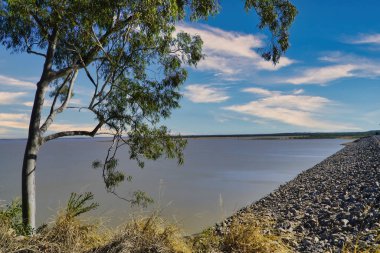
(30, 159)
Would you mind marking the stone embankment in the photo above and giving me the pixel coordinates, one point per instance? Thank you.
(335, 203)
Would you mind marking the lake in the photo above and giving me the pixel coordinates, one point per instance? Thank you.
(219, 176)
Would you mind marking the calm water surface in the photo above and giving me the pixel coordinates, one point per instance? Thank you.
(219, 176)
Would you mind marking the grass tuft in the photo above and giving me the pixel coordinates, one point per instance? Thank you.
(147, 234)
(358, 247)
(65, 234)
(244, 234)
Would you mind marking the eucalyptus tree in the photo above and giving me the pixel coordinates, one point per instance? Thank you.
(135, 63)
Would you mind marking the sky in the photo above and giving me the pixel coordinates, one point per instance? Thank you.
(328, 80)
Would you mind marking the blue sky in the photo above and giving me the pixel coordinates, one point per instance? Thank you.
(327, 81)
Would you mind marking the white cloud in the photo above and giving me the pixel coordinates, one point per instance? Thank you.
(29, 103)
(298, 91)
(261, 91)
(344, 66)
(48, 103)
(363, 67)
(222, 118)
(10, 97)
(6, 80)
(76, 102)
(218, 41)
(323, 75)
(366, 39)
(14, 120)
(14, 124)
(297, 110)
(221, 64)
(21, 121)
(229, 52)
(13, 116)
(205, 94)
(59, 127)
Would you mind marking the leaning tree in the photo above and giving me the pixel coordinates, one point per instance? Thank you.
(134, 61)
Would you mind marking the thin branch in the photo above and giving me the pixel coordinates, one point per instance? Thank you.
(111, 153)
(40, 24)
(120, 197)
(57, 94)
(86, 70)
(100, 45)
(89, 76)
(98, 94)
(78, 107)
(30, 51)
(53, 113)
(115, 140)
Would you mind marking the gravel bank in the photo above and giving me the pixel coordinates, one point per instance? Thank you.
(334, 203)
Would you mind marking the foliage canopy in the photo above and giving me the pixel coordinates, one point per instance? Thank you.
(133, 58)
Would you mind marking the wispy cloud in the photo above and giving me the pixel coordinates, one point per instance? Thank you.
(11, 81)
(229, 52)
(322, 75)
(21, 121)
(48, 103)
(59, 127)
(3, 131)
(260, 91)
(298, 110)
(10, 97)
(225, 117)
(340, 66)
(298, 91)
(205, 94)
(13, 116)
(14, 120)
(365, 39)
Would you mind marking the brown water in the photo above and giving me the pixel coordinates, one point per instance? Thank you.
(219, 176)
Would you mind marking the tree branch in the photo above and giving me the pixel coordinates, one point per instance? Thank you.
(30, 51)
(47, 70)
(101, 46)
(40, 24)
(53, 113)
(73, 133)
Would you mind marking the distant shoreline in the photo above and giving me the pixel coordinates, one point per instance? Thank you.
(286, 136)
(274, 136)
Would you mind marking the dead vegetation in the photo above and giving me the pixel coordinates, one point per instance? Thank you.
(66, 233)
(69, 234)
(147, 234)
(244, 234)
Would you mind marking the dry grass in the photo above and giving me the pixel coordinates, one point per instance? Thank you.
(68, 234)
(63, 235)
(147, 234)
(245, 234)
(140, 235)
(357, 248)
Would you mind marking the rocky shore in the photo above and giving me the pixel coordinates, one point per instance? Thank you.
(335, 203)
